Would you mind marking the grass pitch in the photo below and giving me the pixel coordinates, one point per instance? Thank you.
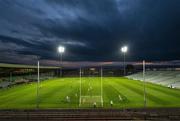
(123, 92)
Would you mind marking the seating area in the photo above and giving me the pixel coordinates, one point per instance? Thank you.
(14, 80)
(166, 78)
(90, 114)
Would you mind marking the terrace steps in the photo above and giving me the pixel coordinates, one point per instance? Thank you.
(91, 114)
(165, 78)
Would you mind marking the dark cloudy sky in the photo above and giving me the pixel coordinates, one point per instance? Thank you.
(91, 30)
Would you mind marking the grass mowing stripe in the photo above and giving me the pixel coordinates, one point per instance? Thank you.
(159, 88)
(149, 96)
(134, 99)
(113, 89)
(119, 90)
(15, 90)
(58, 98)
(123, 89)
(111, 95)
(20, 95)
(165, 90)
(50, 92)
(163, 93)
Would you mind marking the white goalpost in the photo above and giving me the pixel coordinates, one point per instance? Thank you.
(91, 87)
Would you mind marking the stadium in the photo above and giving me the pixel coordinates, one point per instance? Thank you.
(79, 60)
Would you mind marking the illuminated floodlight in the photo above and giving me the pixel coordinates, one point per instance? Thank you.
(124, 49)
(61, 49)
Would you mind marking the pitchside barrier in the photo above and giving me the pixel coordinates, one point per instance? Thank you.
(91, 87)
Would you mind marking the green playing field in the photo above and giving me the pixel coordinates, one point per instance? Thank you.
(64, 93)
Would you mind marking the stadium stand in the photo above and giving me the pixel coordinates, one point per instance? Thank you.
(165, 78)
(7, 82)
(90, 114)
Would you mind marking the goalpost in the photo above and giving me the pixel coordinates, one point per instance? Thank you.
(91, 87)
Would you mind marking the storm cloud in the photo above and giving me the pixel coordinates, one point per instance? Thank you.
(91, 30)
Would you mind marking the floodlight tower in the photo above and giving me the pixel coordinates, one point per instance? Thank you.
(124, 50)
(61, 50)
(144, 83)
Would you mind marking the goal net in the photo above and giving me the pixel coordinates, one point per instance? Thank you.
(91, 87)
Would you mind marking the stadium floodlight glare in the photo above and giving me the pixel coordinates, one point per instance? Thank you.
(124, 50)
(61, 50)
